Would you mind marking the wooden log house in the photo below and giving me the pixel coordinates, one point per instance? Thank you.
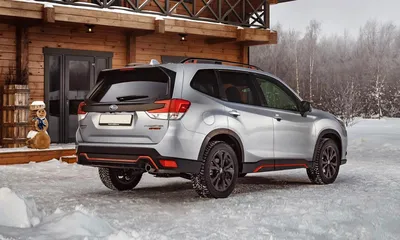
(66, 43)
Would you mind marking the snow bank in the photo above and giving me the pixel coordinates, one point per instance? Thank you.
(20, 218)
(16, 211)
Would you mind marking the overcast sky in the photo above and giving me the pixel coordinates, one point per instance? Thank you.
(335, 15)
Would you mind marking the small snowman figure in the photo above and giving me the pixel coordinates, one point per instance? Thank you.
(41, 123)
(39, 139)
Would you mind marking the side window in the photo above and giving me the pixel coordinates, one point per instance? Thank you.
(238, 88)
(205, 81)
(275, 96)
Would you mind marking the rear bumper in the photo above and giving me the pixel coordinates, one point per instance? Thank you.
(132, 157)
(344, 161)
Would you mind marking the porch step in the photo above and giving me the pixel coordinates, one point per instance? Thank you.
(25, 155)
(69, 159)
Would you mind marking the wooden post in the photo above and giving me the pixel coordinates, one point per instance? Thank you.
(22, 50)
(130, 48)
(245, 54)
(241, 35)
(159, 26)
(49, 14)
(267, 15)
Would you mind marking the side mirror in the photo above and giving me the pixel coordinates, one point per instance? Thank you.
(305, 107)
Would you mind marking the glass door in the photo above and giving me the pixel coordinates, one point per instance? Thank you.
(78, 80)
(53, 95)
(69, 76)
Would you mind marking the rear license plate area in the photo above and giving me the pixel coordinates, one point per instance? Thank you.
(115, 120)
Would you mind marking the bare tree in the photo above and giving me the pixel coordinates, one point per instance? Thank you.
(311, 41)
(347, 76)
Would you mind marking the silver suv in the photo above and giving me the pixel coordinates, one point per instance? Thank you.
(205, 121)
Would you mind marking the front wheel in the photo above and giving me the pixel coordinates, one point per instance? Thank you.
(326, 163)
(119, 179)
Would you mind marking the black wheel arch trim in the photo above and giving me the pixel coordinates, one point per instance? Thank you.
(222, 131)
(322, 134)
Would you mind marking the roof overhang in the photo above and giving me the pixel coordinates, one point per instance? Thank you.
(144, 23)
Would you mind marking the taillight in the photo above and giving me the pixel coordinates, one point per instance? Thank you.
(81, 113)
(173, 109)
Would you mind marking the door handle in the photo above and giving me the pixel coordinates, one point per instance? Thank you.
(234, 113)
(278, 118)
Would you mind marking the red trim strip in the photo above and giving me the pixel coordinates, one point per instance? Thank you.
(120, 160)
(263, 166)
(280, 165)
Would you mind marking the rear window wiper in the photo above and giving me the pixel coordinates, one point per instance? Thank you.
(131, 97)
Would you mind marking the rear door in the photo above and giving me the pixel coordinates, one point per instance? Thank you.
(246, 117)
(127, 106)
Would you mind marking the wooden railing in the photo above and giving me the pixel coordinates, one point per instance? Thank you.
(245, 13)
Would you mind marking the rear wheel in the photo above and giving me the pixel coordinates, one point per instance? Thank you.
(218, 173)
(326, 163)
(119, 179)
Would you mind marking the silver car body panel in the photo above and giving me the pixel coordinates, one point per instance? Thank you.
(262, 135)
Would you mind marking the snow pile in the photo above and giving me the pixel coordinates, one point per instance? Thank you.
(16, 211)
(20, 218)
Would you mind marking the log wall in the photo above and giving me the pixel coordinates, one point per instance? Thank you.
(148, 47)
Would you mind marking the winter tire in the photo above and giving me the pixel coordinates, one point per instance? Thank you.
(326, 163)
(119, 179)
(218, 173)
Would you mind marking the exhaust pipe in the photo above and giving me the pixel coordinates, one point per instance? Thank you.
(148, 168)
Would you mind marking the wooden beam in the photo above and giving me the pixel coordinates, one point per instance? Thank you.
(140, 33)
(21, 9)
(252, 34)
(130, 48)
(200, 28)
(254, 43)
(219, 40)
(244, 54)
(49, 14)
(273, 37)
(99, 20)
(22, 49)
(143, 25)
(159, 26)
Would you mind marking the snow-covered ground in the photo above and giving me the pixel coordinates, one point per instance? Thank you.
(55, 200)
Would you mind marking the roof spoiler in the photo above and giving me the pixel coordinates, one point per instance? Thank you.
(152, 62)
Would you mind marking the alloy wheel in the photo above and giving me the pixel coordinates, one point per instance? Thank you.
(329, 162)
(222, 170)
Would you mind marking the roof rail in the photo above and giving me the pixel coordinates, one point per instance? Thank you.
(135, 64)
(217, 61)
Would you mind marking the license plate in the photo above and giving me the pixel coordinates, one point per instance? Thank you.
(115, 120)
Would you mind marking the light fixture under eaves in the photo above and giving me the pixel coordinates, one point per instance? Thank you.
(89, 28)
(183, 36)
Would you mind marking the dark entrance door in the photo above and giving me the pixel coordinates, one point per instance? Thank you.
(69, 76)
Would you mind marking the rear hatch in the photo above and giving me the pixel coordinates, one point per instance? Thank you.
(128, 105)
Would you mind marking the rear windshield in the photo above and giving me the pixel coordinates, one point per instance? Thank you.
(135, 85)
